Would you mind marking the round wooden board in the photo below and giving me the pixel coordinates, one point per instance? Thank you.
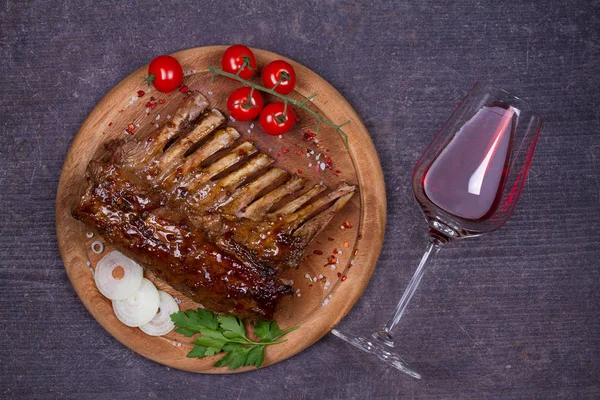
(316, 306)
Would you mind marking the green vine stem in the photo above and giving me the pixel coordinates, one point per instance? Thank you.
(301, 104)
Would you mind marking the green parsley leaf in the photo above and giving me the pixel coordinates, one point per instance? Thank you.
(232, 327)
(226, 334)
(267, 331)
(197, 352)
(194, 320)
(256, 356)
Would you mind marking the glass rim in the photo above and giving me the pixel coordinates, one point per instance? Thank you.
(488, 84)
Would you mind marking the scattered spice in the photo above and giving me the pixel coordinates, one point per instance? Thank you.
(346, 244)
(355, 252)
(130, 129)
(284, 150)
(140, 93)
(330, 239)
(328, 162)
(299, 171)
(309, 135)
(344, 278)
(184, 89)
(318, 252)
(110, 123)
(347, 225)
(161, 101)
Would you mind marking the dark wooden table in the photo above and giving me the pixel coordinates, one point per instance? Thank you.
(513, 315)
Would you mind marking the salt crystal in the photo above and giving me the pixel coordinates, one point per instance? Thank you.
(327, 284)
(298, 294)
(88, 263)
(92, 271)
(339, 252)
(169, 116)
(231, 118)
(219, 258)
(309, 164)
(330, 296)
(292, 282)
(158, 117)
(156, 125)
(210, 93)
(316, 141)
(297, 290)
(322, 166)
(307, 276)
(147, 110)
(320, 276)
(318, 156)
(332, 266)
(280, 136)
(325, 302)
(177, 300)
(249, 130)
(314, 279)
(251, 126)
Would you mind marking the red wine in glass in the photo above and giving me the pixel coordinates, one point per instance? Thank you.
(465, 178)
(467, 182)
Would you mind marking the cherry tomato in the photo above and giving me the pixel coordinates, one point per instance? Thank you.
(165, 73)
(279, 76)
(238, 107)
(238, 57)
(272, 120)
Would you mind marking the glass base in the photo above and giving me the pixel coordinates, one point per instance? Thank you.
(379, 345)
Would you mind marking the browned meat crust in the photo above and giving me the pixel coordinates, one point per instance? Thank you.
(203, 229)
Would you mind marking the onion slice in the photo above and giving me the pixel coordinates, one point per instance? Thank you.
(112, 287)
(161, 324)
(140, 308)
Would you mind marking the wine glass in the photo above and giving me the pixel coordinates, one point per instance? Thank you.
(467, 182)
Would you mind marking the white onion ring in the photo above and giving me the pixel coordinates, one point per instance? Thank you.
(100, 247)
(118, 289)
(162, 324)
(140, 308)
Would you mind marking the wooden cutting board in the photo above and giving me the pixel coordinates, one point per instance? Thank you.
(323, 293)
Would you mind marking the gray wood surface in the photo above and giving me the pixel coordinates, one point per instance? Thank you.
(513, 315)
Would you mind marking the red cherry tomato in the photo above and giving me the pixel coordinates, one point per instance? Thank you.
(165, 73)
(238, 57)
(279, 76)
(272, 120)
(238, 107)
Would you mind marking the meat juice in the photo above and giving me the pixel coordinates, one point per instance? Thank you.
(465, 178)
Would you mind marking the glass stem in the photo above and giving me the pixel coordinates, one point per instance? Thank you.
(432, 248)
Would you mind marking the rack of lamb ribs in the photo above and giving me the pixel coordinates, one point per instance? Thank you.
(194, 207)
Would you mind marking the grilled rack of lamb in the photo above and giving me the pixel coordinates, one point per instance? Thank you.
(195, 208)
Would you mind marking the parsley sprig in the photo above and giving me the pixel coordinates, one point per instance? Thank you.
(226, 333)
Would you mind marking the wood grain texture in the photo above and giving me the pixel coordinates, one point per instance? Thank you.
(513, 315)
(318, 308)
